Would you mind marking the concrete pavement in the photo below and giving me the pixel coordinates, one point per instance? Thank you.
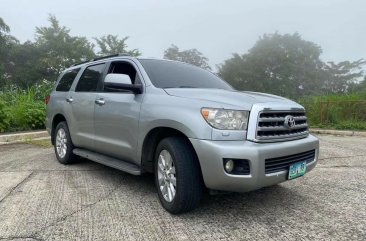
(41, 199)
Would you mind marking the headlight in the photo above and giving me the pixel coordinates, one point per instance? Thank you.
(226, 119)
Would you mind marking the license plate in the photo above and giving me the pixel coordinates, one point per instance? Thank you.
(297, 170)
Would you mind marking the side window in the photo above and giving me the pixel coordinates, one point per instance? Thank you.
(66, 81)
(89, 79)
(125, 68)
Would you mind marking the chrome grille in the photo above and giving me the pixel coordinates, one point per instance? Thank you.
(271, 126)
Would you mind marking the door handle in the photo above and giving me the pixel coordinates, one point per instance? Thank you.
(100, 102)
(69, 100)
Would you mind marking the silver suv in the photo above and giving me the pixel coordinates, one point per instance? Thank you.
(182, 123)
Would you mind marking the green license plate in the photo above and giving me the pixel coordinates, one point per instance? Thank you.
(297, 170)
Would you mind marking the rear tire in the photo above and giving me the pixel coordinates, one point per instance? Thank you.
(185, 173)
(63, 144)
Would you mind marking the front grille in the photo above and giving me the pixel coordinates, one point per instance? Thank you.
(283, 163)
(271, 126)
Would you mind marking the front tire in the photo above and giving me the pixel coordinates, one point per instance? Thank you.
(177, 175)
(63, 144)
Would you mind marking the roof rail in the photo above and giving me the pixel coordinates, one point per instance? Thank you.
(105, 57)
(86, 61)
(109, 56)
(99, 58)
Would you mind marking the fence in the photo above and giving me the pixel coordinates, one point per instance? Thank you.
(339, 114)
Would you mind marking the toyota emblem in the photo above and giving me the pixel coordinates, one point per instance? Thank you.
(289, 122)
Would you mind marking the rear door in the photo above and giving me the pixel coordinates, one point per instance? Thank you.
(82, 102)
(116, 118)
(59, 96)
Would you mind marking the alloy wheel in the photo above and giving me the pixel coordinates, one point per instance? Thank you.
(61, 143)
(167, 176)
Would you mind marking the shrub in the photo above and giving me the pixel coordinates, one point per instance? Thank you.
(336, 111)
(41, 90)
(27, 115)
(350, 125)
(4, 117)
(25, 109)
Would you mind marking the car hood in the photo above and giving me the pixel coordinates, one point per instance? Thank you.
(229, 97)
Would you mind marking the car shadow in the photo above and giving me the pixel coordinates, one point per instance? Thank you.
(274, 199)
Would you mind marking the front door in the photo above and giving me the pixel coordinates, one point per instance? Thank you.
(116, 117)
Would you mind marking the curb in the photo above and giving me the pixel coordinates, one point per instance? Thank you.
(338, 132)
(20, 137)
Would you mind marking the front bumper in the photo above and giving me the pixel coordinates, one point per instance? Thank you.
(211, 154)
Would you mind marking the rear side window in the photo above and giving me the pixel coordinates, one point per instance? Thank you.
(67, 79)
(89, 80)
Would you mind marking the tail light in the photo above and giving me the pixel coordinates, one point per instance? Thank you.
(47, 99)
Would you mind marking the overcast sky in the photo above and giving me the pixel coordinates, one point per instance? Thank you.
(216, 28)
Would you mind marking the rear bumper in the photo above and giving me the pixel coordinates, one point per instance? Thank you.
(211, 154)
(48, 125)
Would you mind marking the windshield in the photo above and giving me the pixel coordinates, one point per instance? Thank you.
(170, 74)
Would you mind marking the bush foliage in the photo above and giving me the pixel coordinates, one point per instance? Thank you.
(22, 110)
(337, 111)
(4, 117)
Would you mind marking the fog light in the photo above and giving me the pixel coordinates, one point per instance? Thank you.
(229, 166)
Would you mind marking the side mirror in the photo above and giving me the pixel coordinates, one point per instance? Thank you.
(121, 83)
(118, 79)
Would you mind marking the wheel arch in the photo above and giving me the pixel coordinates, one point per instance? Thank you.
(55, 121)
(151, 141)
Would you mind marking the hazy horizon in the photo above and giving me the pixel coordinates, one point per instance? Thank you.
(217, 29)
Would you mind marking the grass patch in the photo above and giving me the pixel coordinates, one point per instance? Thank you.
(350, 125)
(44, 143)
(342, 112)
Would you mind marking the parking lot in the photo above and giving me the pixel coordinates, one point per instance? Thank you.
(41, 199)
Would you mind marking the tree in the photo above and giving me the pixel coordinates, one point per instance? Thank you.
(285, 65)
(6, 44)
(111, 44)
(25, 68)
(289, 66)
(3, 27)
(343, 77)
(60, 49)
(360, 86)
(191, 56)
